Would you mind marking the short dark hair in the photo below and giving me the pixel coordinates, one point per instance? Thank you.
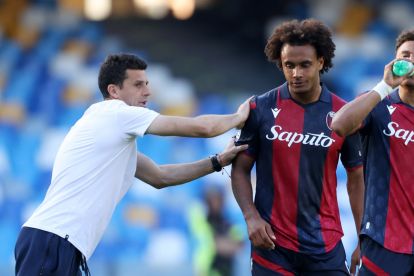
(113, 70)
(406, 35)
(298, 33)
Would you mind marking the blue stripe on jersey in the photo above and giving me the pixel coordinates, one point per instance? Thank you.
(264, 188)
(311, 184)
(376, 162)
(264, 183)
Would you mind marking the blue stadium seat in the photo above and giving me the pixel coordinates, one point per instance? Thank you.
(212, 104)
(50, 100)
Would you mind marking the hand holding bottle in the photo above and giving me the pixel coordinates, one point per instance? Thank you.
(403, 67)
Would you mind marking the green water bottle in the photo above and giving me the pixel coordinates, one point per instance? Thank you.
(402, 68)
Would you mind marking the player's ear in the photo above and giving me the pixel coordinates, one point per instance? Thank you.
(321, 61)
(113, 91)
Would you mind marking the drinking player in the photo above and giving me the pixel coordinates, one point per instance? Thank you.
(385, 118)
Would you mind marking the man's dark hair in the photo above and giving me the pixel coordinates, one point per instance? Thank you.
(306, 32)
(113, 70)
(404, 36)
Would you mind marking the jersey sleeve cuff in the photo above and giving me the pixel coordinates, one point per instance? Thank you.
(353, 168)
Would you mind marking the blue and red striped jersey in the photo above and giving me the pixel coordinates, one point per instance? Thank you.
(296, 155)
(388, 146)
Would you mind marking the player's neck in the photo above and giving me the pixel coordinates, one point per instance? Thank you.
(308, 97)
(407, 95)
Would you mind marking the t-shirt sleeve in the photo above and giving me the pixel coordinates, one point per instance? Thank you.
(249, 133)
(351, 152)
(135, 120)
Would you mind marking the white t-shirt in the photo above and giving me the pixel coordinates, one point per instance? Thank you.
(93, 169)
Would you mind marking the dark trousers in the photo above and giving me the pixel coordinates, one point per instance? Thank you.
(39, 252)
(282, 261)
(377, 260)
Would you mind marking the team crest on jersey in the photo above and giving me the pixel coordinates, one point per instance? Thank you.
(329, 118)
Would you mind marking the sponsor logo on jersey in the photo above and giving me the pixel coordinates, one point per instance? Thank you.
(391, 109)
(275, 112)
(318, 140)
(400, 133)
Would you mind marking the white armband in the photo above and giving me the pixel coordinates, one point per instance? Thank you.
(383, 89)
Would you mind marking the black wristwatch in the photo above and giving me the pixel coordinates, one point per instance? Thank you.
(216, 164)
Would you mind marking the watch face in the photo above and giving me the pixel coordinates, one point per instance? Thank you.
(238, 141)
(237, 137)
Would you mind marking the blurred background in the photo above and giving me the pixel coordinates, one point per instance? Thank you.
(204, 56)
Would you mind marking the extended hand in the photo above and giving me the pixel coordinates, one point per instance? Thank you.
(260, 233)
(243, 112)
(355, 259)
(228, 154)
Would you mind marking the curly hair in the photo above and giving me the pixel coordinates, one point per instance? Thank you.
(113, 70)
(306, 32)
(404, 36)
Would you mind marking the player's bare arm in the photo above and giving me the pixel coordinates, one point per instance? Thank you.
(356, 191)
(260, 232)
(161, 176)
(200, 126)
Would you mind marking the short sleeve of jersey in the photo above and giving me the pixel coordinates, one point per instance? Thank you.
(249, 133)
(135, 120)
(351, 152)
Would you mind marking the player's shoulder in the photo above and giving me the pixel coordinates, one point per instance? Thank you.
(336, 100)
(271, 93)
(266, 98)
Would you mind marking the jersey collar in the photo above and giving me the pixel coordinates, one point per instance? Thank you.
(395, 97)
(325, 94)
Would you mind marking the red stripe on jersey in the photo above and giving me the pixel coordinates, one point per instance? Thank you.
(285, 172)
(373, 267)
(328, 209)
(252, 105)
(399, 227)
(269, 265)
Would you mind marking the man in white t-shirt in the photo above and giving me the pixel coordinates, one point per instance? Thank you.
(96, 165)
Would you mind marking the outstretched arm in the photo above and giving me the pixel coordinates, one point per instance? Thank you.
(349, 118)
(260, 232)
(200, 126)
(356, 190)
(161, 176)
